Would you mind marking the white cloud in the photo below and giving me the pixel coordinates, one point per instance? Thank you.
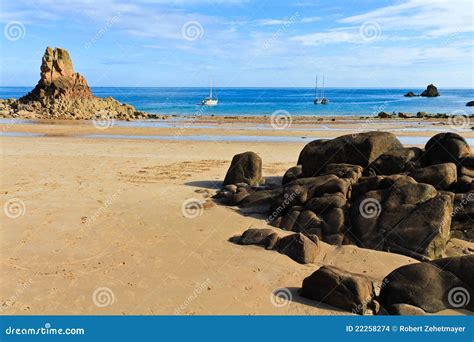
(433, 17)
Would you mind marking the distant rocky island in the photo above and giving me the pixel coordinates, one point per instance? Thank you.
(62, 93)
(430, 91)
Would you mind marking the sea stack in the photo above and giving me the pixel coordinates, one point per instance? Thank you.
(431, 91)
(62, 93)
(57, 79)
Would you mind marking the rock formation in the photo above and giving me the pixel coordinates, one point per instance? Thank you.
(63, 94)
(369, 190)
(57, 79)
(431, 91)
(470, 104)
(386, 197)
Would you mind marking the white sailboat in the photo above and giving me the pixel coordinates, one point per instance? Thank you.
(210, 100)
(319, 98)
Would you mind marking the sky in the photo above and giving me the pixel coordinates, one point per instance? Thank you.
(244, 43)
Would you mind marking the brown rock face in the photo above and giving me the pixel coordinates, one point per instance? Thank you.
(58, 80)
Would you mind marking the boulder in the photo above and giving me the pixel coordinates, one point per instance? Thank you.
(255, 236)
(339, 288)
(410, 94)
(445, 148)
(291, 174)
(410, 219)
(431, 91)
(384, 115)
(396, 161)
(299, 248)
(431, 286)
(441, 176)
(260, 202)
(357, 149)
(245, 168)
(470, 104)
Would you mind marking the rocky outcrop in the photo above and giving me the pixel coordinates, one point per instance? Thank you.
(58, 79)
(245, 168)
(431, 91)
(446, 283)
(390, 198)
(62, 93)
(345, 290)
(410, 201)
(470, 104)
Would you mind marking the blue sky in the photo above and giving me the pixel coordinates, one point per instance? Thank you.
(365, 43)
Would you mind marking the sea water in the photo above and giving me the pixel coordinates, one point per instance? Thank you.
(265, 101)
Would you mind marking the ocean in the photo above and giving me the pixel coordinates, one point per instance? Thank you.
(265, 101)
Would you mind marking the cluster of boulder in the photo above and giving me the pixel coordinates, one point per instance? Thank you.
(62, 93)
(366, 190)
(430, 91)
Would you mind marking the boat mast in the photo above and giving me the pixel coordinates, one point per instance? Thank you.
(210, 92)
(316, 88)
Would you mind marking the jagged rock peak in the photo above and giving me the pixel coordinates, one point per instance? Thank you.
(58, 79)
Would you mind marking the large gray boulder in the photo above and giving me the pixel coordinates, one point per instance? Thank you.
(410, 219)
(441, 176)
(445, 148)
(357, 149)
(432, 286)
(342, 289)
(245, 168)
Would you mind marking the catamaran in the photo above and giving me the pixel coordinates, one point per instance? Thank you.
(210, 101)
(319, 98)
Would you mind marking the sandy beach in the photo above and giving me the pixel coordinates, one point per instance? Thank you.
(98, 213)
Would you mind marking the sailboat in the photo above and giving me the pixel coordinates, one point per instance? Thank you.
(210, 101)
(319, 98)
